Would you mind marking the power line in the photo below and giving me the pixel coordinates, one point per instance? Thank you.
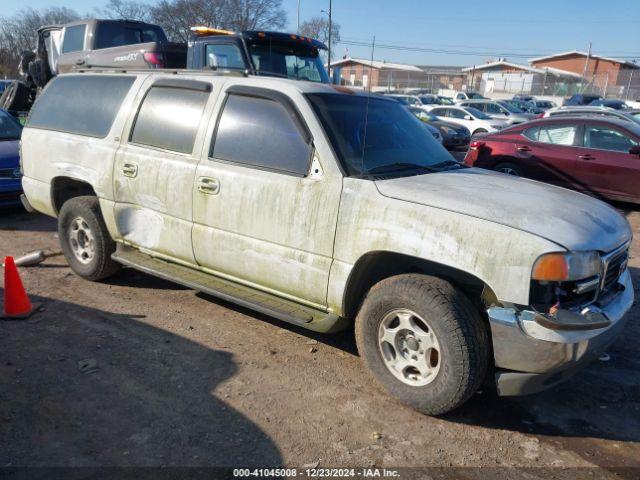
(405, 48)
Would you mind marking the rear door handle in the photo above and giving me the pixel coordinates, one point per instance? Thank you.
(523, 148)
(208, 185)
(129, 170)
(586, 157)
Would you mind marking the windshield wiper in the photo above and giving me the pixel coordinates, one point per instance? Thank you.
(448, 163)
(399, 166)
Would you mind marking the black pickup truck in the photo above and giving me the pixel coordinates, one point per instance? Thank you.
(257, 53)
(126, 44)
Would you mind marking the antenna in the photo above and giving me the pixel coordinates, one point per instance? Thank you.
(366, 112)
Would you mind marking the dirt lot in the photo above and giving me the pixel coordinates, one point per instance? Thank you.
(175, 378)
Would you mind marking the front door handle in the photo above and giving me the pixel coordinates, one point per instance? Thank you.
(130, 170)
(586, 157)
(523, 148)
(208, 185)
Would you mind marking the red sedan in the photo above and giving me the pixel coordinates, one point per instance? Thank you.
(598, 156)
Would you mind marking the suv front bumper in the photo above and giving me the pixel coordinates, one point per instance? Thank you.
(531, 357)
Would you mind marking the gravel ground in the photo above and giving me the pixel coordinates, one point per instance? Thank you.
(137, 371)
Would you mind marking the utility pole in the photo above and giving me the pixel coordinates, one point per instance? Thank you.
(586, 63)
(298, 19)
(330, 28)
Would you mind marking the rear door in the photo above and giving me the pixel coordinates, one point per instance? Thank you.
(604, 164)
(155, 168)
(74, 47)
(550, 153)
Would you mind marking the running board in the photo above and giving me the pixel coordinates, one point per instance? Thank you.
(280, 308)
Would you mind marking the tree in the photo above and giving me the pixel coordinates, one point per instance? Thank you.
(318, 28)
(176, 16)
(19, 33)
(126, 9)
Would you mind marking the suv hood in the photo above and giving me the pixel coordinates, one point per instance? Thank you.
(570, 219)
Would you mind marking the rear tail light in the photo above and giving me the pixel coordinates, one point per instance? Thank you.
(475, 145)
(541, 115)
(156, 60)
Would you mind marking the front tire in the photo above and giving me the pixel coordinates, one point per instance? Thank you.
(423, 340)
(85, 240)
(480, 130)
(509, 168)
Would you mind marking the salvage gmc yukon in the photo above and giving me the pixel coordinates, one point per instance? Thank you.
(330, 209)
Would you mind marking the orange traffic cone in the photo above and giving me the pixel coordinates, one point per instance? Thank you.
(16, 301)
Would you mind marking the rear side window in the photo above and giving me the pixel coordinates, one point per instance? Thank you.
(557, 134)
(169, 118)
(261, 133)
(225, 56)
(80, 104)
(73, 39)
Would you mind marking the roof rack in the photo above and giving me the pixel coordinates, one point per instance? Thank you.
(174, 71)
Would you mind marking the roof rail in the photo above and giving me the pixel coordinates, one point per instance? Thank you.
(174, 71)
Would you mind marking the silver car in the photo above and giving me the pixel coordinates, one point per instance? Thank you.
(627, 116)
(500, 110)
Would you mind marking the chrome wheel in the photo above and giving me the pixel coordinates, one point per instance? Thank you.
(81, 240)
(508, 171)
(409, 347)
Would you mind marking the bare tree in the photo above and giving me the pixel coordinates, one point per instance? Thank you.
(126, 9)
(318, 28)
(18, 32)
(176, 16)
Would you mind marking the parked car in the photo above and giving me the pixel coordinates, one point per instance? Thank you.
(595, 155)
(452, 134)
(429, 99)
(524, 106)
(543, 105)
(335, 210)
(10, 175)
(611, 103)
(472, 119)
(524, 98)
(591, 111)
(462, 96)
(581, 99)
(500, 110)
(408, 100)
(445, 100)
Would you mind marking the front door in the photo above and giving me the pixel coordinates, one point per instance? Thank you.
(604, 163)
(265, 199)
(155, 167)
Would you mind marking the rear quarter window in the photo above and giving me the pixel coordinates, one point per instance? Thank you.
(73, 39)
(81, 104)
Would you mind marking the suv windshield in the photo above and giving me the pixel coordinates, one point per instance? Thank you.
(10, 129)
(377, 135)
(288, 60)
(477, 113)
(512, 108)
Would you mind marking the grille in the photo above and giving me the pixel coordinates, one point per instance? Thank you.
(613, 268)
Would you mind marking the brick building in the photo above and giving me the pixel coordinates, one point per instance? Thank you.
(377, 75)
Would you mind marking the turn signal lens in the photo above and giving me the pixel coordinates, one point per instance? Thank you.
(560, 267)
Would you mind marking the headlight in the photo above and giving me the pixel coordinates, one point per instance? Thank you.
(562, 267)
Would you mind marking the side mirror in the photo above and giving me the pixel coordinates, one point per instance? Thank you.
(507, 113)
(468, 117)
(635, 150)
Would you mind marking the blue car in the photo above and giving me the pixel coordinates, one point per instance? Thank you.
(10, 183)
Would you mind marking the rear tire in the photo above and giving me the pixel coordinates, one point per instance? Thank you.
(85, 240)
(480, 130)
(509, 168)
(435, 354)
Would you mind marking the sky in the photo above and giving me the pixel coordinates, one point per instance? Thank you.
(460, 32)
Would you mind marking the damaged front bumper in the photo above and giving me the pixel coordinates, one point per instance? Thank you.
(533, 352)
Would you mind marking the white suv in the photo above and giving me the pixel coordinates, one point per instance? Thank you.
(330, 209)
